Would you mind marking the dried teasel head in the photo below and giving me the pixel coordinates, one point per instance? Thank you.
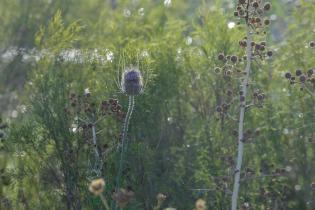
(132, 82)
(97, 186)
(200, 204)
(123, 197)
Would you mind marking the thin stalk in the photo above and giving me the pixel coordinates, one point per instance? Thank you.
(124, 134)
(240, 149)
(309, 91)
(104, 201)
(97, 155)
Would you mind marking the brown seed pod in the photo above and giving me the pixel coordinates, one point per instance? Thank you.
(260, 97)
(219, 109)
(267, 6)
(267, 22)
(302, 78)
(217, 70)
(221, 56)
(255, 4)
(234, 58)
(298, 72)
(269, 53)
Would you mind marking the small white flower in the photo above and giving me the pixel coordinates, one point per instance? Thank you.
(286, 131)
(86, 91)
(288, 168)
(109, 56)
(189, 40)
(167, 3)
(127, 12)
(231, 25)
(14, 114)
(141, 11)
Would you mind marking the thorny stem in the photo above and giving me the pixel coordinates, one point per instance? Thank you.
(97, 155)
(240, 149)
(124, 134)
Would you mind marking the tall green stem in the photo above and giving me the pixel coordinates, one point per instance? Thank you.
(124, 134)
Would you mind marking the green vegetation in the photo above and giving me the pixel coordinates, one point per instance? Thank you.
(63, 109)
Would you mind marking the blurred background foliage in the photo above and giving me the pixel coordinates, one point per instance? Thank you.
(179, 145)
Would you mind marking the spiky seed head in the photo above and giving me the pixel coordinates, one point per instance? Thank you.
(132, 82)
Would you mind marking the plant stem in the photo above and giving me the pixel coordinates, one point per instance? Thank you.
(240, 149)
(104, 201)
(124, 134)
(309, 91)
(97, 155)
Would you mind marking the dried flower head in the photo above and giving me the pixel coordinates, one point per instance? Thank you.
(132, 82)
(97, 186)
(122, 197)
(200, 204)
(160, 198)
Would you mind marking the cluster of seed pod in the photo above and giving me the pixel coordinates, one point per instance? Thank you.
(302, 78)
(259, 49)
(258, 98)
(86, 114)
(253, 11)
(85, 106)
(222, 109)
(112, 106)
(229, 67)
